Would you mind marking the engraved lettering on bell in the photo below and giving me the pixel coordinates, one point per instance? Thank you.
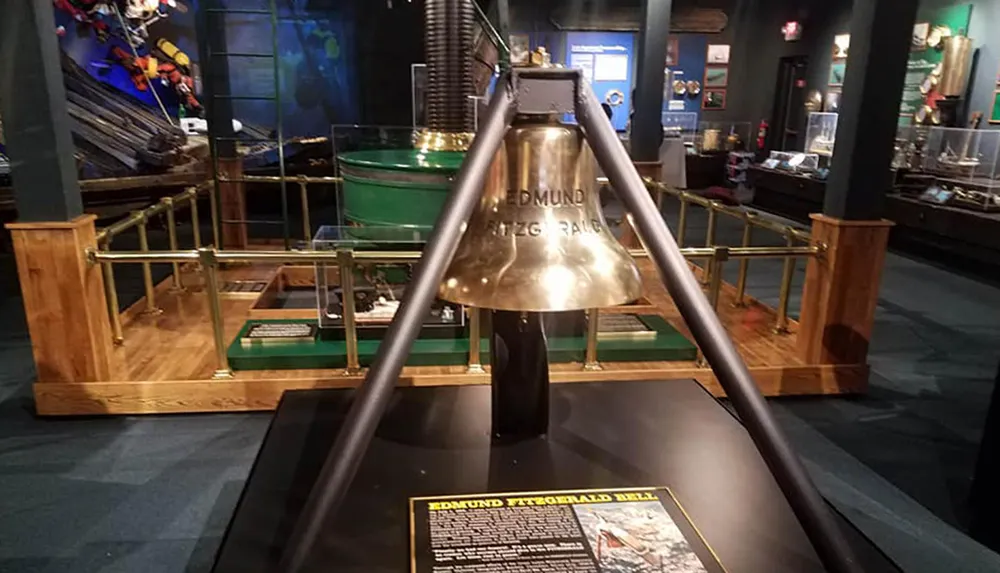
(538, 240)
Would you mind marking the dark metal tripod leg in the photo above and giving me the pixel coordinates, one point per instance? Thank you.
(810, 508)
(374, 394)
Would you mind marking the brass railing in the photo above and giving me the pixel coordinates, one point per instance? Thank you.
(210, 259)
(139, 220)
(303, 182)
(751, 220)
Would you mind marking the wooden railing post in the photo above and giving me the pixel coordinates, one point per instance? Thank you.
(841, 290)
(63, 299)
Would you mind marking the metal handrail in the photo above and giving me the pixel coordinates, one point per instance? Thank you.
(387, 257)
(715, 206)
(136, 217)
(210, 259)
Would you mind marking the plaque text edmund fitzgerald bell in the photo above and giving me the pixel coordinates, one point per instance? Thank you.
(544, 198)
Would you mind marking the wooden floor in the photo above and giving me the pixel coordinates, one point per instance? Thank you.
(167, 360)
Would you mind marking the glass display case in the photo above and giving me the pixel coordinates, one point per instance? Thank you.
(909, 147)
(721, 136)
(380, 273)
(821, 133)
(792, 161)
(680, 124)
(962, 154)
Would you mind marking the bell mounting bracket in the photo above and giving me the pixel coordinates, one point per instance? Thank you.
(558, 90)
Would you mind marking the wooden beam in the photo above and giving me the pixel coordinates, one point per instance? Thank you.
(232, 203)
(63, 300)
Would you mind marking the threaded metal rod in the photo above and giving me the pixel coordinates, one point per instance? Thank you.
(449, 26)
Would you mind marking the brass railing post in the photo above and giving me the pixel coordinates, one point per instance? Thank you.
(147, 271)
(590, 353)
(304, 197)
(178, 283)
(195, 220)
(213, 207)
(710, 239)
(719, 256)
(781, 324)
(210, 266)
(345, 259)
(475, 340)
(682, 219)
(111, 296)
(741, 282)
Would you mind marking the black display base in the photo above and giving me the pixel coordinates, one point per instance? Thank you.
(435, 441)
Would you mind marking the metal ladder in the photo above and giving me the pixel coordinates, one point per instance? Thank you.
(272, 14)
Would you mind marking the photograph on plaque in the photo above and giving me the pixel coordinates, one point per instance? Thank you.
(634, 530)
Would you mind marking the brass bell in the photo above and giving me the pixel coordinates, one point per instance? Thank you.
(538, 240)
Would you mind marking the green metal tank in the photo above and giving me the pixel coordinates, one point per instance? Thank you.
(396, 187)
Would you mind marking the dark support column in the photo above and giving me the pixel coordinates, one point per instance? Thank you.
(869, 110)
(33, 107)
(648, 101)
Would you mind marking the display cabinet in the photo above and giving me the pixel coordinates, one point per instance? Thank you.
(821, 133)
(680, 124)
(792, 161)
(962, 154)
(371, 275)
(719, 136)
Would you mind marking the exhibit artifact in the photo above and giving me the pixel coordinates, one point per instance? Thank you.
(537, 97)
(821, 133)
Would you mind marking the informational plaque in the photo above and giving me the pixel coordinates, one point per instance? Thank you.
(623, 327)
(279, 333)
(587, 531)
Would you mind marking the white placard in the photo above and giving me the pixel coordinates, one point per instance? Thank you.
(676, 105)
(610, 68)
(584, 63)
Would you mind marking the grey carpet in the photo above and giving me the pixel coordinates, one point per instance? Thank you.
(155, 493)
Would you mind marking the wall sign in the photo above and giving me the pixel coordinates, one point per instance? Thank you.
(605, 58)
(923, 61)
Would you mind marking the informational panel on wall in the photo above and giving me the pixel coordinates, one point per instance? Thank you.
(605, 58)
(926, 55)
(589, 531)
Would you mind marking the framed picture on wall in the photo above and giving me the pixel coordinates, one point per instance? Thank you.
(716, 76)
(995, 108)
(672, 52)
(841, 45)
(713, 99)
(919, 41)
(718, 54)
(520, 48)
(837, 71)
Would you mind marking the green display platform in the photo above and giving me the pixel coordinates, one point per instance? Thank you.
(329, 352)
(396, 187)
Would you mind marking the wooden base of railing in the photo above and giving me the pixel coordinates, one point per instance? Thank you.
(841, 290)
(63, 300)
(166, 362)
